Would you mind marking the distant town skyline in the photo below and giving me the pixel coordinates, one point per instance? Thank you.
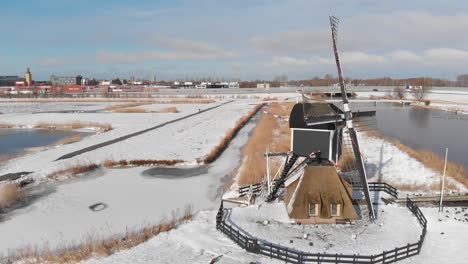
(254, 39)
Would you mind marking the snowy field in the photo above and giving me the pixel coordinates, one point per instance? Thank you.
(395, 227)
(188, 140)
(133, 196)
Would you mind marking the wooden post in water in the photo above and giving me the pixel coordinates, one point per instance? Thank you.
(443, 182)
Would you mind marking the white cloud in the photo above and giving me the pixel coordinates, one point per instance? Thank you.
(173, 50)
(396, 30)
(289, 62)
(293, 42)
(404, 56)
(192, 46)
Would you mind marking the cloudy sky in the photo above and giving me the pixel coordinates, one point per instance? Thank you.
(245, 39)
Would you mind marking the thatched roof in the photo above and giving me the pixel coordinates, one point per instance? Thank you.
(319, 185)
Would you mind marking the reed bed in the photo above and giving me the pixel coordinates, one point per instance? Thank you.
(72, 171)
(69, 140)
(109, 163)
(95, 246)
(5, 125)
(222, 145)
(9, 194)
(102, 127)
(271, 134)
(172, 109)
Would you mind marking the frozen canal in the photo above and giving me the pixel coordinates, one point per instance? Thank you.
(422, 128)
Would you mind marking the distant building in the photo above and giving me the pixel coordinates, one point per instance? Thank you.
(28, 78)
(263, 85)
(10, 80)
(65, 80)
(72, 89)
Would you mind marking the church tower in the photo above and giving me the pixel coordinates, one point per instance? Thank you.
(28, 78)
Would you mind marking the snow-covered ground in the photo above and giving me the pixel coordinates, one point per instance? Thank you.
(188, 140)
(195, 242)
(134, 197)
(199, 242)
(395, 227)
(445, 239)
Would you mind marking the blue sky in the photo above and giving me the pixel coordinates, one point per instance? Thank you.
(245, 39)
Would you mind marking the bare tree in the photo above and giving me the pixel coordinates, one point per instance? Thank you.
(420, 92)
(399, 93)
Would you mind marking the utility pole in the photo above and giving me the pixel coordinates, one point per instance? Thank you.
(443, 182)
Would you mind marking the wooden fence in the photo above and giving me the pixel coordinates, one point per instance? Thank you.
(373, 187)
(290, 255)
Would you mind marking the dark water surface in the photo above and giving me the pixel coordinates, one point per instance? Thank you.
(422, 128)
(15, 141)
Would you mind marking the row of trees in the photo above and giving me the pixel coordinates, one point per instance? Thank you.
(419, 93)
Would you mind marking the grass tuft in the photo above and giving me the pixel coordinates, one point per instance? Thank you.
(72, 171)
(9, 194)
(69, 140)
(168, 110)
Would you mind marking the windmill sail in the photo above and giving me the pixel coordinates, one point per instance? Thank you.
(349, 121)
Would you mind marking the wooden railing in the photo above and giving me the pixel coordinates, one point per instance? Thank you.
(373, 186)
(290, 255)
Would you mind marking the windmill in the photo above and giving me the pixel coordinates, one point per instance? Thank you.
(317, 143)
(349, 120)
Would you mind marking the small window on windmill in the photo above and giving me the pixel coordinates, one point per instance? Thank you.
(335, 209)
(313, 209)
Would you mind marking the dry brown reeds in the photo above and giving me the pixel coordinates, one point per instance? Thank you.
(268, 98)
(72, 171)
(102, 127)
(97, 247)
(222, 145)
(186, 101)
(347, 161)
(69, 140)
(172, 109)
(126, 108)
(9, 194)
(271, 134)
(108, 163)
(6, 157)
(4, 125)
(319, 96)
(429, 159)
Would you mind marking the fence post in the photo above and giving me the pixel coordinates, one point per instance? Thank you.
(354, 258)
(384, 257)
(407, 250)
(336, 258)
(318, 258)
(396, 253)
